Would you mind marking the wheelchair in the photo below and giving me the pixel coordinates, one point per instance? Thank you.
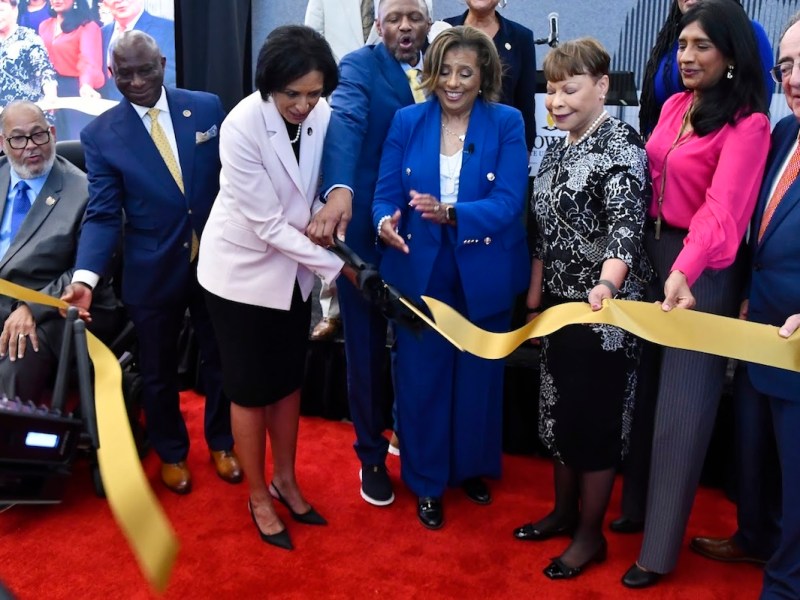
(40, 443)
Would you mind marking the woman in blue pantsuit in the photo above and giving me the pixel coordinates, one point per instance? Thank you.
(447, 209)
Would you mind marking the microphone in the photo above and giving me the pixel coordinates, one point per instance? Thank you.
(470, 149)
(552, 39)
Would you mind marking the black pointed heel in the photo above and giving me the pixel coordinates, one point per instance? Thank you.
(310, 517)
(280, 539)
(558, 570)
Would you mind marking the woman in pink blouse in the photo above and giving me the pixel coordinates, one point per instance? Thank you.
(74, 43)
(707, 156)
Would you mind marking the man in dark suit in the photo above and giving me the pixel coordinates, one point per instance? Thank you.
(156, 156)
(774, 299)
(45, 198)
(129, 15)
(373, 84)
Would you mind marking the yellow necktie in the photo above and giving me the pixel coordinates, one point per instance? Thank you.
(416, 88)
(164, 149)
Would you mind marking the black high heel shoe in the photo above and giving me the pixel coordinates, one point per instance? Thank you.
(558, 570)
(280, 539)
(310, 517)
(530, 533)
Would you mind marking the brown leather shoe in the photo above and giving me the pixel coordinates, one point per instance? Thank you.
(176, 477)
(227, 465)
(326, 329)
(723, 549)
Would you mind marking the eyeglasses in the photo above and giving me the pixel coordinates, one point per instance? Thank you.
(782, 70)
(18, 142)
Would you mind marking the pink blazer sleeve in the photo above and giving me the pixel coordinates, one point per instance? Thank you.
(718, 226)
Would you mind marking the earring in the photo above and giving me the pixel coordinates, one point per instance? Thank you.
(730, 72)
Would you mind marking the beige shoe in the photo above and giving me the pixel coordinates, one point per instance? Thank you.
(326, 329)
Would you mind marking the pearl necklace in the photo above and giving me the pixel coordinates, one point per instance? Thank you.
(591, 128)
(297, 136)
(461, 137)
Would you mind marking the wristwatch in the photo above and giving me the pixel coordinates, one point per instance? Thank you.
(450, 213)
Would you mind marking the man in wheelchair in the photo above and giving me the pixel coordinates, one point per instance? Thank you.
(43, 202)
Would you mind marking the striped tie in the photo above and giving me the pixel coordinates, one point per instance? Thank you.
(416, 88)
(784, 183)
(162, 143)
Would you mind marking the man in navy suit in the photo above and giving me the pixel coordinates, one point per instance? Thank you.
(155, 156)
(129, 15)
(774, 299)
(372, 85)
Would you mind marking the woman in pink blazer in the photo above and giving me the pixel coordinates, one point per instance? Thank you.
(258, 267)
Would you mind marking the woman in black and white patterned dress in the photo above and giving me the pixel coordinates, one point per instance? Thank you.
(589, 201)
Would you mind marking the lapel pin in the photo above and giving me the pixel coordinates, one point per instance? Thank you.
(50, 201)
(187, 113)
(310, 131)
(508, 46)
(490, 176)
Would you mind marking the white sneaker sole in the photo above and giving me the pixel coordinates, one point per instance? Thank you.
(370, 499)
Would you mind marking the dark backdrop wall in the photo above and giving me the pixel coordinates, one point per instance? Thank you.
(213, 46)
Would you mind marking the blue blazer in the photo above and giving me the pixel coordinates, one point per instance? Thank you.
(775, 277)
(160, 29)
(514, 43)
(372, 87)
(489, 239)
(126, 172)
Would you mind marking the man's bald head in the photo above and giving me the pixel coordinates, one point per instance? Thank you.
(27, 139)
(137, 66)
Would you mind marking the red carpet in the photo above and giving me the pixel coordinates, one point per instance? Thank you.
(74, 550)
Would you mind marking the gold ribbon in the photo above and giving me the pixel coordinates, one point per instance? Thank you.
(135, 507)
(678, 328)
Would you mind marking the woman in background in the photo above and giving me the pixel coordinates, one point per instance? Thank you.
(74, 44)
(450, 194)
(661, 77)
(706, 155)
(25, 69)
(589, 200)
(32, 13)
(514, 44)
(258, 267)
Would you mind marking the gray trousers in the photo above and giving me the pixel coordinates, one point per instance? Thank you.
(689, 391)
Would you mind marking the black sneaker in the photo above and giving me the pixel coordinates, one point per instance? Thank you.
(376, 488)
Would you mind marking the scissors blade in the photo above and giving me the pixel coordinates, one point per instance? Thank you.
(428, 320)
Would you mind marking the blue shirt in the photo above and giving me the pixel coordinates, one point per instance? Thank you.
(36, 184)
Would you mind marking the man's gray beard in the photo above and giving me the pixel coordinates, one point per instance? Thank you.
(26, 172)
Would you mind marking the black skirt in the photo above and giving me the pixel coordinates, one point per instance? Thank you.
(262, 350)
(588, 385)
